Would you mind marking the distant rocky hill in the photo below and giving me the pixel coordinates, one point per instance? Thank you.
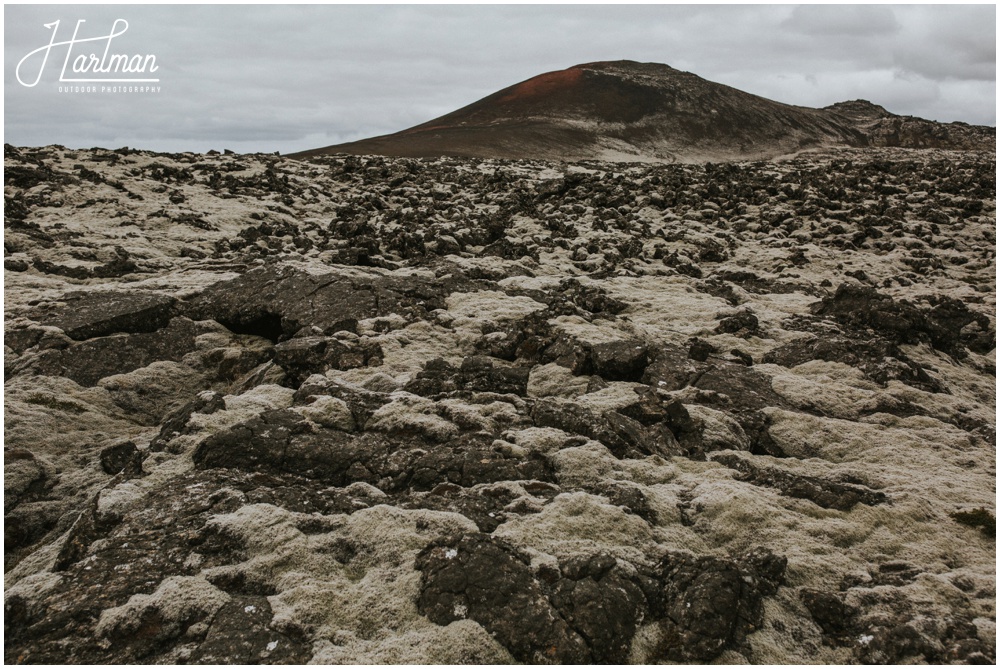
(885, 129)
(648, 112)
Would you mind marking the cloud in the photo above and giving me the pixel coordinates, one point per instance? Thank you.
(266, 78)
(843, 20)
(949, 45)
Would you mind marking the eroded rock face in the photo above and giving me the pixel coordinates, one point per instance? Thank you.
(275, 302)
(370, 411)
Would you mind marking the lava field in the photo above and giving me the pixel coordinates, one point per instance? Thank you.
(388, 410)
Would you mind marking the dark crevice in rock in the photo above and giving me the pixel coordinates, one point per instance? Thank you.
(266, 325)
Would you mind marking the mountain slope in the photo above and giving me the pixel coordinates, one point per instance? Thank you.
(630, 111)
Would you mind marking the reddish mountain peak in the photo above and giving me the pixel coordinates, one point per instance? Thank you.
(560, 81)
(544, 84)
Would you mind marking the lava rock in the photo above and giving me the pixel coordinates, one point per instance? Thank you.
(710, 604)
(476, 374)
(176, 423)
(570, 353)
(929, 639)
(700, 350)
(270, 302)
(834, 616)
(619, 360)
(481, 578)
(827, 494)
(879, 359)
(743, 323)
(116, 457)
(241, 633)
(275, 302)
(301, 357)
(97, 314)
(94, 359)
(486, 507)
(671, 368)
(602, 606)
(25, 477)
(282, 441)
(624, 436)
(900, 321)
(629, 497)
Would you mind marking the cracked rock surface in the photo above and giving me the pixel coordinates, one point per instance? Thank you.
(368, 410)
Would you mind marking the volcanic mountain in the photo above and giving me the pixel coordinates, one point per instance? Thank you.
(629, 111)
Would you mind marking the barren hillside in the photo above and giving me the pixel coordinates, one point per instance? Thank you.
(647, 112)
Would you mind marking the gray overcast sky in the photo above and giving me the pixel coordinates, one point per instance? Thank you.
(286, 78)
